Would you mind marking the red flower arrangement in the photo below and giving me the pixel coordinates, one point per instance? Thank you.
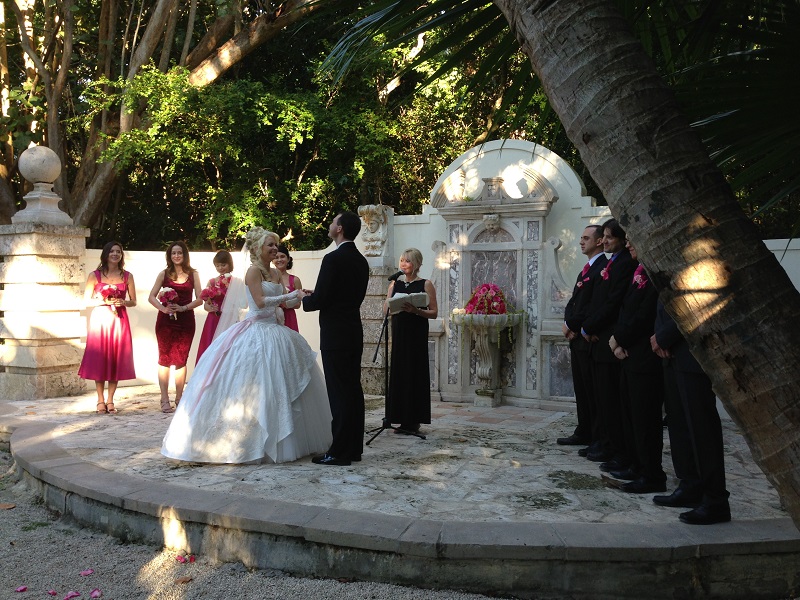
(166, 295)
(487, 299)
(110, 291)
(215, 291)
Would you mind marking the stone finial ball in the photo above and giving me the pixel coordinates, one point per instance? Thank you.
(39, 164)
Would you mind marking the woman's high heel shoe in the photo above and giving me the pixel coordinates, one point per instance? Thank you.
(165, 407)
(101, 408)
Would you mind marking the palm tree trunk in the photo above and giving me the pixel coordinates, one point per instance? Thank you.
(727, 292)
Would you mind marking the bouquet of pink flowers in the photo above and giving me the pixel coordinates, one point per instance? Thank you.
(167, 295)
(109, 290)
(215, 291)
(487, 299)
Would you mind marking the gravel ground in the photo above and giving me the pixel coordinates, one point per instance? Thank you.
(41, 550)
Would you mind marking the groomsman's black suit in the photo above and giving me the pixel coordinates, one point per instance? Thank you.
(581, 362)
(695, 429)
(602, 315)
(338, 294)
(642, 389)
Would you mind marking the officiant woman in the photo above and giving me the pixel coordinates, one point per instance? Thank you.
(408, 399)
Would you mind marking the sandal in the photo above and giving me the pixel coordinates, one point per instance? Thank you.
(101, 405)
(166, 408)
(111, 409)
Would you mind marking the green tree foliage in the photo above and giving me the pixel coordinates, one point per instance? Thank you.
(274, 145)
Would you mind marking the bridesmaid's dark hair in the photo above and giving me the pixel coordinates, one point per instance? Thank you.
(186, 266)
(284, 250)
(103, 266)
(223, 257)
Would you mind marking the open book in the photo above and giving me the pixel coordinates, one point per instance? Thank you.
(418, 299)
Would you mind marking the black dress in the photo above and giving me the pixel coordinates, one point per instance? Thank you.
(409, 398)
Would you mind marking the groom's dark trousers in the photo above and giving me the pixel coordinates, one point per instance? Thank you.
(338, 294)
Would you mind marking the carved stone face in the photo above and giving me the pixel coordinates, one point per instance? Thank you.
(491, 222)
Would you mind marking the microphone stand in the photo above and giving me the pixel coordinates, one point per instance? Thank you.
(385, 423)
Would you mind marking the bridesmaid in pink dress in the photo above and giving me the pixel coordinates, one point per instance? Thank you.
(175, 324)
(108, 357)
(283, 262)
(223, 263)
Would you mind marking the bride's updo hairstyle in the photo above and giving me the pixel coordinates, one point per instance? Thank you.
(254, 242)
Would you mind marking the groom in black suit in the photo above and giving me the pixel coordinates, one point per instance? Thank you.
(339, 292)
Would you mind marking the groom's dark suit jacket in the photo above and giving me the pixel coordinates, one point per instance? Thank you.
(338, 294)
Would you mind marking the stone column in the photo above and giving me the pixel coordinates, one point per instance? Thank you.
(41, 291)
(376, 243)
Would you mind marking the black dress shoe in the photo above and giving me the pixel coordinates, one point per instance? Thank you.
(624, 474)
(680, 498)
(613, 465)
(408, 429)
(707, 514)
(643, 486)
(599, 456)
(327, 459)
(572, 440)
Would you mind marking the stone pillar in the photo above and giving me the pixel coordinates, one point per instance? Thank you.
(41, 291)
(376, 243)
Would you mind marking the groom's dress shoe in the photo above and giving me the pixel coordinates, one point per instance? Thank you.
(327, 459)
(572, 440)
(707, 514)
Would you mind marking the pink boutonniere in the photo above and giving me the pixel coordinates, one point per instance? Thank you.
(640, 277)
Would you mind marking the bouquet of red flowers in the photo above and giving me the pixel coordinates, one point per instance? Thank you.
(215, 291)
(487, 299)
(166, 295)
(109, 290)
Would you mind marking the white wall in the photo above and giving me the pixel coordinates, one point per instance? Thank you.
(419, 231)
(145, 266)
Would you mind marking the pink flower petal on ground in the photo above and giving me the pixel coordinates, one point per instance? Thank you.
(52, 592)
(22, 588)
(96, 593)
(86, 572)
(191, 558)
(71, 595)
(180, 558)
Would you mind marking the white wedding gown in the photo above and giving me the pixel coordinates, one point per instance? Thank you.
(257, 394)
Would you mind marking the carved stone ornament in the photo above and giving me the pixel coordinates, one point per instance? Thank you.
(41, 166)
(376, 231)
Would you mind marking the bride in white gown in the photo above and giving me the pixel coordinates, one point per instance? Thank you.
(257, 393)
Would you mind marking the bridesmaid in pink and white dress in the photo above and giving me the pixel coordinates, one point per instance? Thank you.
(108, 357)
(223, 263)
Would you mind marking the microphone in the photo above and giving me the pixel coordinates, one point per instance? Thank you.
(395, 276)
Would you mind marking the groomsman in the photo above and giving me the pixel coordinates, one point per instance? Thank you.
(340, 290)
(591, 244)
(641, 386)
(597, 328)
(695, 430)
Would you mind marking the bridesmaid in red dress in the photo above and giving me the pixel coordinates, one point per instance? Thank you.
(223, 263)
(175, 323)
(283, 262)
(109, 350)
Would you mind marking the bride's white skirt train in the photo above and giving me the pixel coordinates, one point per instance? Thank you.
(257, 394)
